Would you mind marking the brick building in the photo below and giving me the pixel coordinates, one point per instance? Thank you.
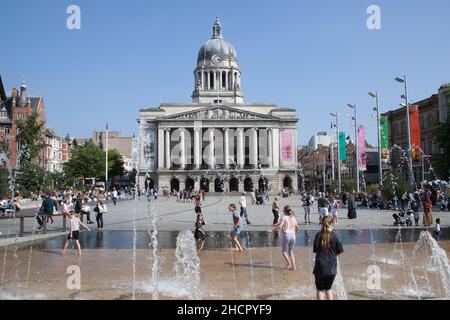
(18, 106)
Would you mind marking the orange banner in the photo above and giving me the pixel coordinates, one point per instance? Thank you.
(415, 132)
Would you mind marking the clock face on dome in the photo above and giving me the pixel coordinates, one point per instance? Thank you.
(216, 59)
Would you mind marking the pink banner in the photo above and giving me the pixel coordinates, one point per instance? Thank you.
(362, 160)
(287, 147)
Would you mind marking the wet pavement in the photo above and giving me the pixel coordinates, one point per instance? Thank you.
(217, 240)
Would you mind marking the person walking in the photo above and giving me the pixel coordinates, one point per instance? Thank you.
(100, 209)
(323, 205)
(427, 208)
(308, 201)
(74, 234)
(351, 212)
(288, 227)
(334, 208)
(237, 226)
(243, 204)
(199, 234)
(276, 210)
(114, 196)
(198, 205)
(47, 208)
(327, 247)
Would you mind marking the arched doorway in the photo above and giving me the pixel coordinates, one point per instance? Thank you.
(218, 185)
(234, 184)
(190, 183)
(287, 183)
(263, 183)
(149, 184)
(248, 184)
(174, 184)
(204, 184)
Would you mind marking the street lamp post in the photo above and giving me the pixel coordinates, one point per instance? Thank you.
(353, 106)
(335, 115)
(377, 109)
(403, 80)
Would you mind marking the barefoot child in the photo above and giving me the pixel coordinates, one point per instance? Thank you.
(237, 226)
(199, 234)
(74, 231)
(288, 226)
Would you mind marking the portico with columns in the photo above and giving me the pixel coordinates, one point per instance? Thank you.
(218, 143)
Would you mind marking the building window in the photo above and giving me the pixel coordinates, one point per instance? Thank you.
(421, 122)
(429, 121)
(403, 127)
(6, 130)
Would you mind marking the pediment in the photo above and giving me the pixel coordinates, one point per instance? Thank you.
(219, 113)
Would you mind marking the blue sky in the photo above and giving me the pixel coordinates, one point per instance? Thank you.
(315, 56)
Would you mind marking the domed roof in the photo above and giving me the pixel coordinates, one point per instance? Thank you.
(217, 46)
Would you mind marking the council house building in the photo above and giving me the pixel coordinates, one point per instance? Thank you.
(218, 142)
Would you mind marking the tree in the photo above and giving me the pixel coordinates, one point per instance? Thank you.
(31, 178)
(115, 164)
(4, 185)
(30, 138)
(442, 134)
(87, 161)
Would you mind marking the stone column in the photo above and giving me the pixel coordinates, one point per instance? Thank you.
(183, 149)
(269, 148)
(208, 81)
(197, 149)
(226, 81)
(226, 154)
(240, 147)
(254, 147)
(160, 148)
(211, 146)
(167, 148)
(203, 80)
(276, 147)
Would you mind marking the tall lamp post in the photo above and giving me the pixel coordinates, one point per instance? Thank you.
(335, 115)
(403, 80)
(106, 159)
(377, 109)
(353, 106)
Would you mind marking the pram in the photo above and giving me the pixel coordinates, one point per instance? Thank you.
(260, 199)
(403, 218)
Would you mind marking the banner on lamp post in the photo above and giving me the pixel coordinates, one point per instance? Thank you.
(415, 132)
(362, 149)
(384, 139)
(342, 147)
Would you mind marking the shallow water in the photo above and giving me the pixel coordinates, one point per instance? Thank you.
(219, 239)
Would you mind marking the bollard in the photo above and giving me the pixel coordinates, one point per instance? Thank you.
(22, 226)
(45, 224)
(64, 222)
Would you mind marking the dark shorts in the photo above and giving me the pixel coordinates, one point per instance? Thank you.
(75, 235)
(324, 283)
(198, 209)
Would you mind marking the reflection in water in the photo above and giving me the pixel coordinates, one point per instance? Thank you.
(220, 239)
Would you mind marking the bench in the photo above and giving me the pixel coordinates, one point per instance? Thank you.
(22, 217)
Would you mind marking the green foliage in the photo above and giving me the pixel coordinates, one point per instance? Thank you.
(115, 164)
(395, 181)
(31, 178)
(86, 161)
(30, 139)
(442, 134)
(373, 188)
(4, 186)
(348, 186)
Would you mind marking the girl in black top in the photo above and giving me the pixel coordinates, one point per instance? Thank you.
(199, 234)
(327, 247)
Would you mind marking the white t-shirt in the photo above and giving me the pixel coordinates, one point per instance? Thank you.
(243, 202)
(438, 228)
(333, 207)
(74, 224)
(114, 194)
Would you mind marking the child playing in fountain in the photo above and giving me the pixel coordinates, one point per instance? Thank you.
(437, 229)
(237, 226)
(327, 247)
(199, 233)
(74, 231)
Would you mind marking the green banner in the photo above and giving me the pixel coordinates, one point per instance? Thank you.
(384, 133)
(342, 147)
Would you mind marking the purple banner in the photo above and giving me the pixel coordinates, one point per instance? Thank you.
(362, 149)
